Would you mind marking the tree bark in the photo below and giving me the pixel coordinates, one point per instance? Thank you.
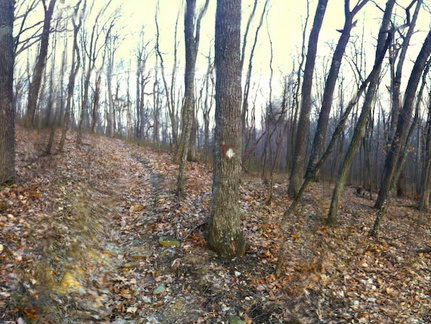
(224, 233)
(7, 110)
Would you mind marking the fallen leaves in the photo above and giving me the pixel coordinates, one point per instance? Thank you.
(102, 222)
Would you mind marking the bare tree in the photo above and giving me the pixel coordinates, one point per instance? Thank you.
(425, 201)
(246, 94)
(192, 36)
(208, 84)
(297, 172)
(397, 58)
(156, 104)
(224, 233)
(92, 44)
(7, 111)
(385, 34)
(331, 80)
(111, 47)
(35, 84)
(337, 132)
(76, 64)
(96, 99)
(396, 152)
(60, 102)
(142, 55)
(169, 90)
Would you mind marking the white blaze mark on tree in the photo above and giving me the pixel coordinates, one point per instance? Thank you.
(230, 153)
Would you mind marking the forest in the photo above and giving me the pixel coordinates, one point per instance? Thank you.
(215, 161)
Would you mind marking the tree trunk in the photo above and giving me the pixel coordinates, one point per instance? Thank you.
(34, 87)
(170, 91)
(247, 83)
(110, 131)
(96, 103)
(224, 233)
(424, 203)
(192, 45)
(7, 110)
(297, 172)
(192, 152)
(76, 63)
(84, 108)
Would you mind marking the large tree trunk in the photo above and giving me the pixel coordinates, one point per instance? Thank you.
(34, 88)
(224, 233)
(7, 111)
(300, 149)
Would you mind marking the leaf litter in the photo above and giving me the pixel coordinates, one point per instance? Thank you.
(96, 235)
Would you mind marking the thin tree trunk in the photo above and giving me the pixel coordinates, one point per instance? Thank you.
(192, 36)
(297, 172)
(76, 63)
(426, 177)
(96, 103)
(247, 84)
(36, 82)
(169, 93)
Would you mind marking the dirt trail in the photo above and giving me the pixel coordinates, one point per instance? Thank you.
(98, 257)
(108, 266)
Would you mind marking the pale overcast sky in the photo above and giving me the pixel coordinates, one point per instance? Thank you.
(285, 23)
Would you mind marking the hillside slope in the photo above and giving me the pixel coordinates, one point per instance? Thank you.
(96, 235)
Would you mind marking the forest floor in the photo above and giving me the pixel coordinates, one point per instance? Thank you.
(96, 235)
